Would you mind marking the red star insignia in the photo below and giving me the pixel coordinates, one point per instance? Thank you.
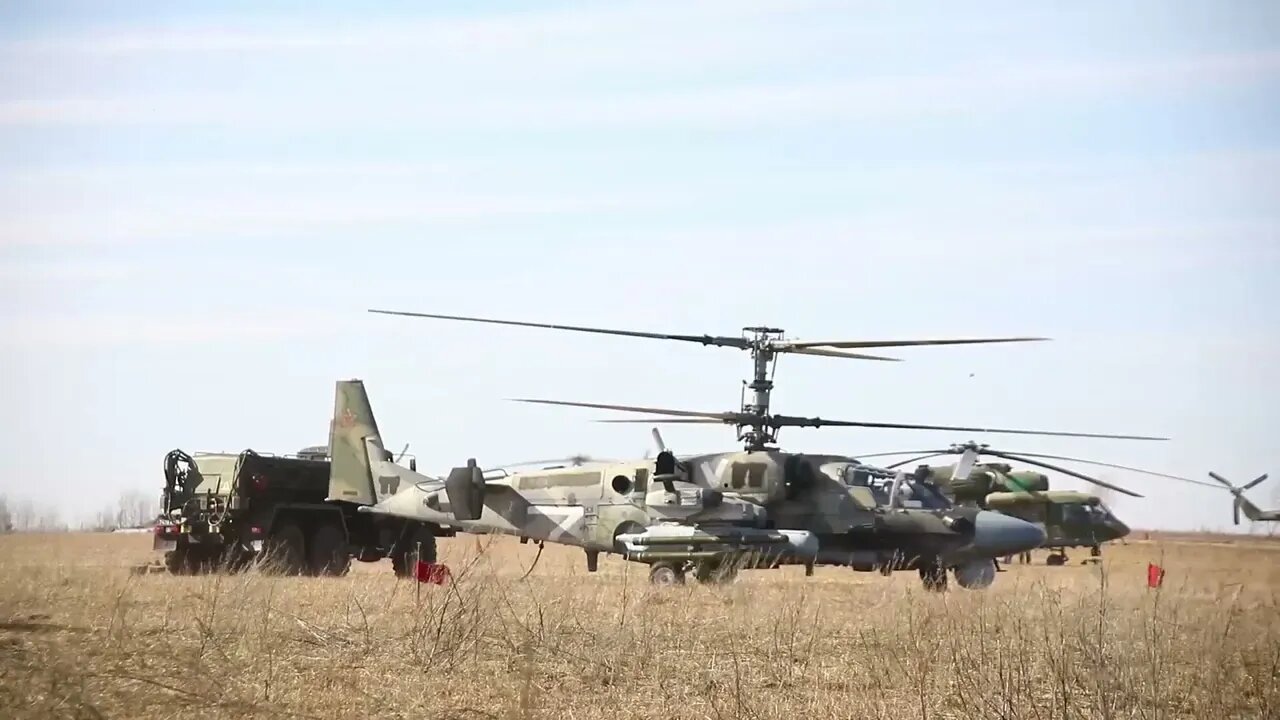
(347, 418)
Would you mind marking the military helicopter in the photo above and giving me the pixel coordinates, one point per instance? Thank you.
(712, 513)
(1070, 518)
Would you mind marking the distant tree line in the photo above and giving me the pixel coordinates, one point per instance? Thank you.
(131, 510)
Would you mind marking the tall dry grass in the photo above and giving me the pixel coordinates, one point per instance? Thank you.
(82, 637)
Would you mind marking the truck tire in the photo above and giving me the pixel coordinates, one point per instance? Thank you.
(405, 560)
(284, 553)
(329, 556)
(175, 561)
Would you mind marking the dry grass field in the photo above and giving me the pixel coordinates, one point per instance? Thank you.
(83, 637)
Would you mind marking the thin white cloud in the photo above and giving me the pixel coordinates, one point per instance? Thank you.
(477, 34)
(975, 89)
(963, 203)
(229, 215)
(236, 171)
(21, 274)
(101, 330)
(75, 178)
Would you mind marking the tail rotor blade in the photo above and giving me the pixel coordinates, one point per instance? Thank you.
(1222, 480)
(1255, 481)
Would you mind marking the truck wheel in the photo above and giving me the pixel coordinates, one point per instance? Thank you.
(176, 562)
(284, 553)
(404, 561)
(329, 551)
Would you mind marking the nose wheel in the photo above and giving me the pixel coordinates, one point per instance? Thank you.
(665, 573)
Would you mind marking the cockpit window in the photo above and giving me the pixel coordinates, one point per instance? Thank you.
(1101, 510)
(1078, 513)
(912, 493)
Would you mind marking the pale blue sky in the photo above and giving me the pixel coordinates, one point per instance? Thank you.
(198, 202)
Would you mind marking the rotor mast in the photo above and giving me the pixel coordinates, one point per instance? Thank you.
(764, 359)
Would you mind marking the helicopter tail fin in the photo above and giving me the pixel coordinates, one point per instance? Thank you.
(1253, 512)
(354, 445)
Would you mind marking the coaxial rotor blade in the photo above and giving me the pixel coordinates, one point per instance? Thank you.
(904, 343)
(723, 417)
(790, 421)
(1117, 467)
(687, 421)
(900, 452)
(574, 459)
(527, 462)
(910, 460)
(836, 353)
(1064, 471)
(736, 342)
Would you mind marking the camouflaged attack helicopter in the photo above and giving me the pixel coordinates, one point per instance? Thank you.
(710, 514)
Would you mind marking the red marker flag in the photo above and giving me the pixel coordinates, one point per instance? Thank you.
(1155, 575)
(434, 573)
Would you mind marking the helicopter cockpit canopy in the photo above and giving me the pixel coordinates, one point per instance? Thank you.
(1098, 507)
(915, 491)
(1087, 512)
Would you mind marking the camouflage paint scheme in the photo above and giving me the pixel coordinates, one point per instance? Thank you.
(801, 508)
(1069, 518)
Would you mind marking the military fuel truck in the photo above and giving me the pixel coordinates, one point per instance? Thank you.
(228, 511)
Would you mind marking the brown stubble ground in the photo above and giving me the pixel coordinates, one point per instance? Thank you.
(82, 636)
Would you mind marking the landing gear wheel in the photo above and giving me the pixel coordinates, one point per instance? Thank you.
(405, 560)
(934, 577)
(284, 552)
(1056, 559)
(329, 556)
(664, 573)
